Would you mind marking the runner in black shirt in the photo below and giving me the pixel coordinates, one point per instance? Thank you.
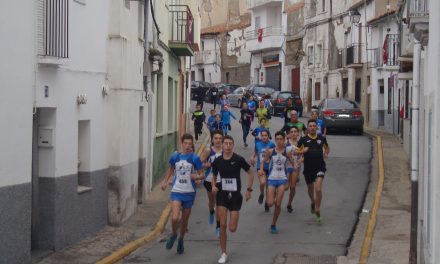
(245, 121)
(315, 149)
(229, 197)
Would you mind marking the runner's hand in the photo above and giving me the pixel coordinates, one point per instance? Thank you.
(260, 173)
(214, 189)
(248, 195)
(164, 185)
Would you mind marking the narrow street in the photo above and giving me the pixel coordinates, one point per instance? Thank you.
(347, 177)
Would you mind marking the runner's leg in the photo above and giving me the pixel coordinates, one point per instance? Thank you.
(279, 200)
(184, 224)
(318, 193)
(223, 218)
(293, 180)
(175, 215)
(233, 220)
(270, 199)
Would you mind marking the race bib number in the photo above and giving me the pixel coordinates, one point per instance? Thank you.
(262, 155)
(229, 185)
(183, 181)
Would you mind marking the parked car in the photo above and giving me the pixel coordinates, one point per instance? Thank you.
(222, 89)
(279, 102)
(259, 91)
(196, 86)
(341, 114)
(236, 97)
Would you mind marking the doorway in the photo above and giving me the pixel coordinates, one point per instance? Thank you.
(309, 95)
(358, 90)
(296, 81)
(345, 87)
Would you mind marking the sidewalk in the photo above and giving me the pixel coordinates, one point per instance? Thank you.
(109, 239)
(390, 241)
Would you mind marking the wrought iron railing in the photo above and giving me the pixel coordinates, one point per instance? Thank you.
(266, 32)
(353, 54)
(418, 8)
(375, 58)
(182, 29)
(392, 50)
(56, 28)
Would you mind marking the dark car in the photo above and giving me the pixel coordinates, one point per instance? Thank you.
(279, 102)
(199, 87)
(223, 88)
(259, 91)
(341, 114)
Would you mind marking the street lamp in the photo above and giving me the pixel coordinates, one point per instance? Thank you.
(355, 16)
(227, 37)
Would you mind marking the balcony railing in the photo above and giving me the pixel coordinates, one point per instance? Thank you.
(182, 24)
(392, 50)
(418, 8)
(353, 55)
(255, 3)
(268, 31)
(375, 58)
(55, 28)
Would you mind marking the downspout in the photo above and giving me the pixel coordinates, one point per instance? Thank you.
(415, 152)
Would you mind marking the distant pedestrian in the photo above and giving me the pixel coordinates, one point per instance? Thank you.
(315, 148)
(185, 168)
(214, 94)
(224, 102)
(226, 118)
(245, 121)
(199, 118)
(200, 97)
(268, 102)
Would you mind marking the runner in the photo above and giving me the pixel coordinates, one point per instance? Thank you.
(226, 118)
(277, 180)
(258, 157)
(257, 131)
(322, 129)
(252, 105)
(263, 113)
(229, 197)
(217, 124)
(198, 117)
(182, 166)
(245, 121)
(287, 111)
(224, 101)
(294, 122)
(293, 171)
(208, 156)
(214, 92)
(315, 149)
(211, 120)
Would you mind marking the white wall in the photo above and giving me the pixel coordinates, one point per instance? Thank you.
(16, 80)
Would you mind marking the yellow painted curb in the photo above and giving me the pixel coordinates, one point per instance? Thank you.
(158, 229)
(365, 251)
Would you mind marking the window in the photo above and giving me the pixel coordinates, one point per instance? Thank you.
(317, 91)
(53, 27)
(312, 9)
(171, 107)
(318, 53)
(140, 20)
(310, 54)
(127, 4)
(323, 5)
(257, 23)
(227, 77)
(84, 153)
(159, 104)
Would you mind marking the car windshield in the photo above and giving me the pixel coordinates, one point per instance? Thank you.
(341, 104)
(263, 90)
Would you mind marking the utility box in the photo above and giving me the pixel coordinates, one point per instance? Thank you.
(45, 137)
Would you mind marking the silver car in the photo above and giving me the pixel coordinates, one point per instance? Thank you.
(236, 97)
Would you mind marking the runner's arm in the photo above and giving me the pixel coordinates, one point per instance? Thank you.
(204, 158)
(165, 181)
(266, 159)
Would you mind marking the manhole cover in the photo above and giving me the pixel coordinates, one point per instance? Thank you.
(301, 259)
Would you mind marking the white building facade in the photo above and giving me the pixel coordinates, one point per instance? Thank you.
(206, 63)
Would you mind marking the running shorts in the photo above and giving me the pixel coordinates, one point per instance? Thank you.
(230, 200)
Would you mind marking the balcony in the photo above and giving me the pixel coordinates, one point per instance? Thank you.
(342, 58)
(206, 57)
(353, 57)
(257, 3)
(375, 58)
(271, 38)
(391, 50)
(182, 30)
(418, 14)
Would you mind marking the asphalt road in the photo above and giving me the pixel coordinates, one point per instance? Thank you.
(344, 187)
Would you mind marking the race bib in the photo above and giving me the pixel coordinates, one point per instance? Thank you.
(229, 185)
(262, 155)
(214, 93)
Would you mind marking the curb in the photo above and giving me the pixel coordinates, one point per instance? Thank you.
(365, 251)
(158, 229)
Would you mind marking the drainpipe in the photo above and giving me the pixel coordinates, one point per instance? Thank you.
(415, 153)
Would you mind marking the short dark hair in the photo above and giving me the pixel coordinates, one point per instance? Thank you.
(228, 137)
(217, 115)
(311, 121)
(294, 127)
(217, 132)
(265, 131)
(186, 136)
(280, 133)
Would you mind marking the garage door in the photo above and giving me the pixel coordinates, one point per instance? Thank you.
(273, 77)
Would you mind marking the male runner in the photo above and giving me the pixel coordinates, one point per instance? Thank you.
(229, 197)
(293, 170)
(322, 129)
(208, 156)
(295, 122)
(182, 165)
(258, 157)
(315, 149)
(277, 180)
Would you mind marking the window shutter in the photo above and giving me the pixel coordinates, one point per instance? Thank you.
(39, 26)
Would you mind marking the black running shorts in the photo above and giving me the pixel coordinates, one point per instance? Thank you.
(310, 176)
(231, 200)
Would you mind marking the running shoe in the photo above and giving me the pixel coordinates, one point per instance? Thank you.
(217, 232)
(260, 198)
(273, 229)
(211, 218)
(289, 209)
(180, 248)
(223, 258)
(312, 208)
(170, 241)
(318, 217)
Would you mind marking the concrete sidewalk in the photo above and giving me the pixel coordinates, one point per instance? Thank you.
(111, 238)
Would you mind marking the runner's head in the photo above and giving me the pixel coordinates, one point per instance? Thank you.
(289, 102)
(244, 106)
(223, 96)
(212, 112)
(225, 108)
(265, 136)
(217, 137)
(228, 144)
(293, 133)
(187, 141)
(217, 117)
(293, 116)
(197, 107)
(311, 127)
(263, 122)
(314, 114)
(261, 104)
(280, 139)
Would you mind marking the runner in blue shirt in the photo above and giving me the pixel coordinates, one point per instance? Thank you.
(186, 167)
(322, 129)
(258, 156)
(257, 131)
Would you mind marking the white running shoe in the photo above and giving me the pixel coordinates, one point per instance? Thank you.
(223, 258)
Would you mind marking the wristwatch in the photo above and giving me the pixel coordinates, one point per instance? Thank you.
(249, 189)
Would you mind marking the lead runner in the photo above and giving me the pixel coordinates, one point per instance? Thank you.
(229, 197)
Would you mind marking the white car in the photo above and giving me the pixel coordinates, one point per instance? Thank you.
(236, 97)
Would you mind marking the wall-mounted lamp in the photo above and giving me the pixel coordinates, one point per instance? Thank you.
(355, 16)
